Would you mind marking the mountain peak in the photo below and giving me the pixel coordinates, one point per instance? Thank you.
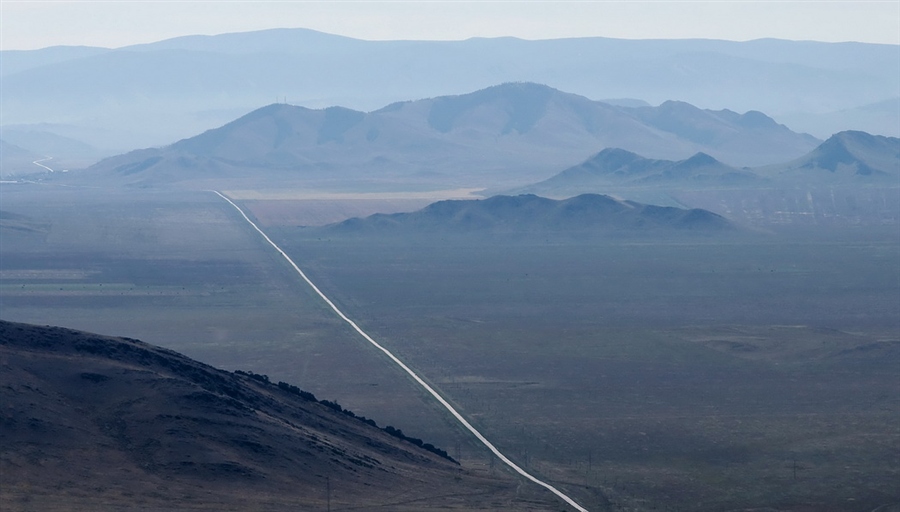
(524, 103)
(614, 167)
(854, 153)
(700, 159)
(856, 136)
(615, 157)
(756, 120)
(676, 105)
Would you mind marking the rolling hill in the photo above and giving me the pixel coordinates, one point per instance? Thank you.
(507, 134)
(94, 422)
(584, 215)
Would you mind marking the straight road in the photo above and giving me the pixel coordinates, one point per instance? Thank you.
(409, 371)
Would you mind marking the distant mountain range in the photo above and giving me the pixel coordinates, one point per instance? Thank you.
(584, 215)
(616, 166)
(511, 133)
(847, 157)
(93, 422)
(155, 94)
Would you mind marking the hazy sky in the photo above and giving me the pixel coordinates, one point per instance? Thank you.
(113, 23)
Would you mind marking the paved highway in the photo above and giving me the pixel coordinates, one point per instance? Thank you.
(39, 164)
(411, 373)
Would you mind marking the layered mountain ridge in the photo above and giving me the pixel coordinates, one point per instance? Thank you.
(503, 134)
(852, 154)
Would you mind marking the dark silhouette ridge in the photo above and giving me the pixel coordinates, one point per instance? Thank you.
(531, 214)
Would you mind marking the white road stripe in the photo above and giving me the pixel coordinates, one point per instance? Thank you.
(39, 164)
(411, 373)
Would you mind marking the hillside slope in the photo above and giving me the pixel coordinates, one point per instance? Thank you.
(850, 156)
(92, 422)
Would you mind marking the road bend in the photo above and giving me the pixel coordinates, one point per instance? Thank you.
(408, 370)
(45, 159)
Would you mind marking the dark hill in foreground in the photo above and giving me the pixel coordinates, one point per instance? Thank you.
(92, 422)
(587, 214)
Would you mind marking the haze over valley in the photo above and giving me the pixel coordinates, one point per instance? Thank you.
(489, 274)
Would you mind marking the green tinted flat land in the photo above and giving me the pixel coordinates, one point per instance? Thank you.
(705, 374)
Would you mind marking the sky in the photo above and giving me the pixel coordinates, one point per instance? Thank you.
(33, 24)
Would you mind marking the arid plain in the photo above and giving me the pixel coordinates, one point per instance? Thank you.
(638, 372)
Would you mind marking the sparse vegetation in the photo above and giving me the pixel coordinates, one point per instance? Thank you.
(294, 390)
